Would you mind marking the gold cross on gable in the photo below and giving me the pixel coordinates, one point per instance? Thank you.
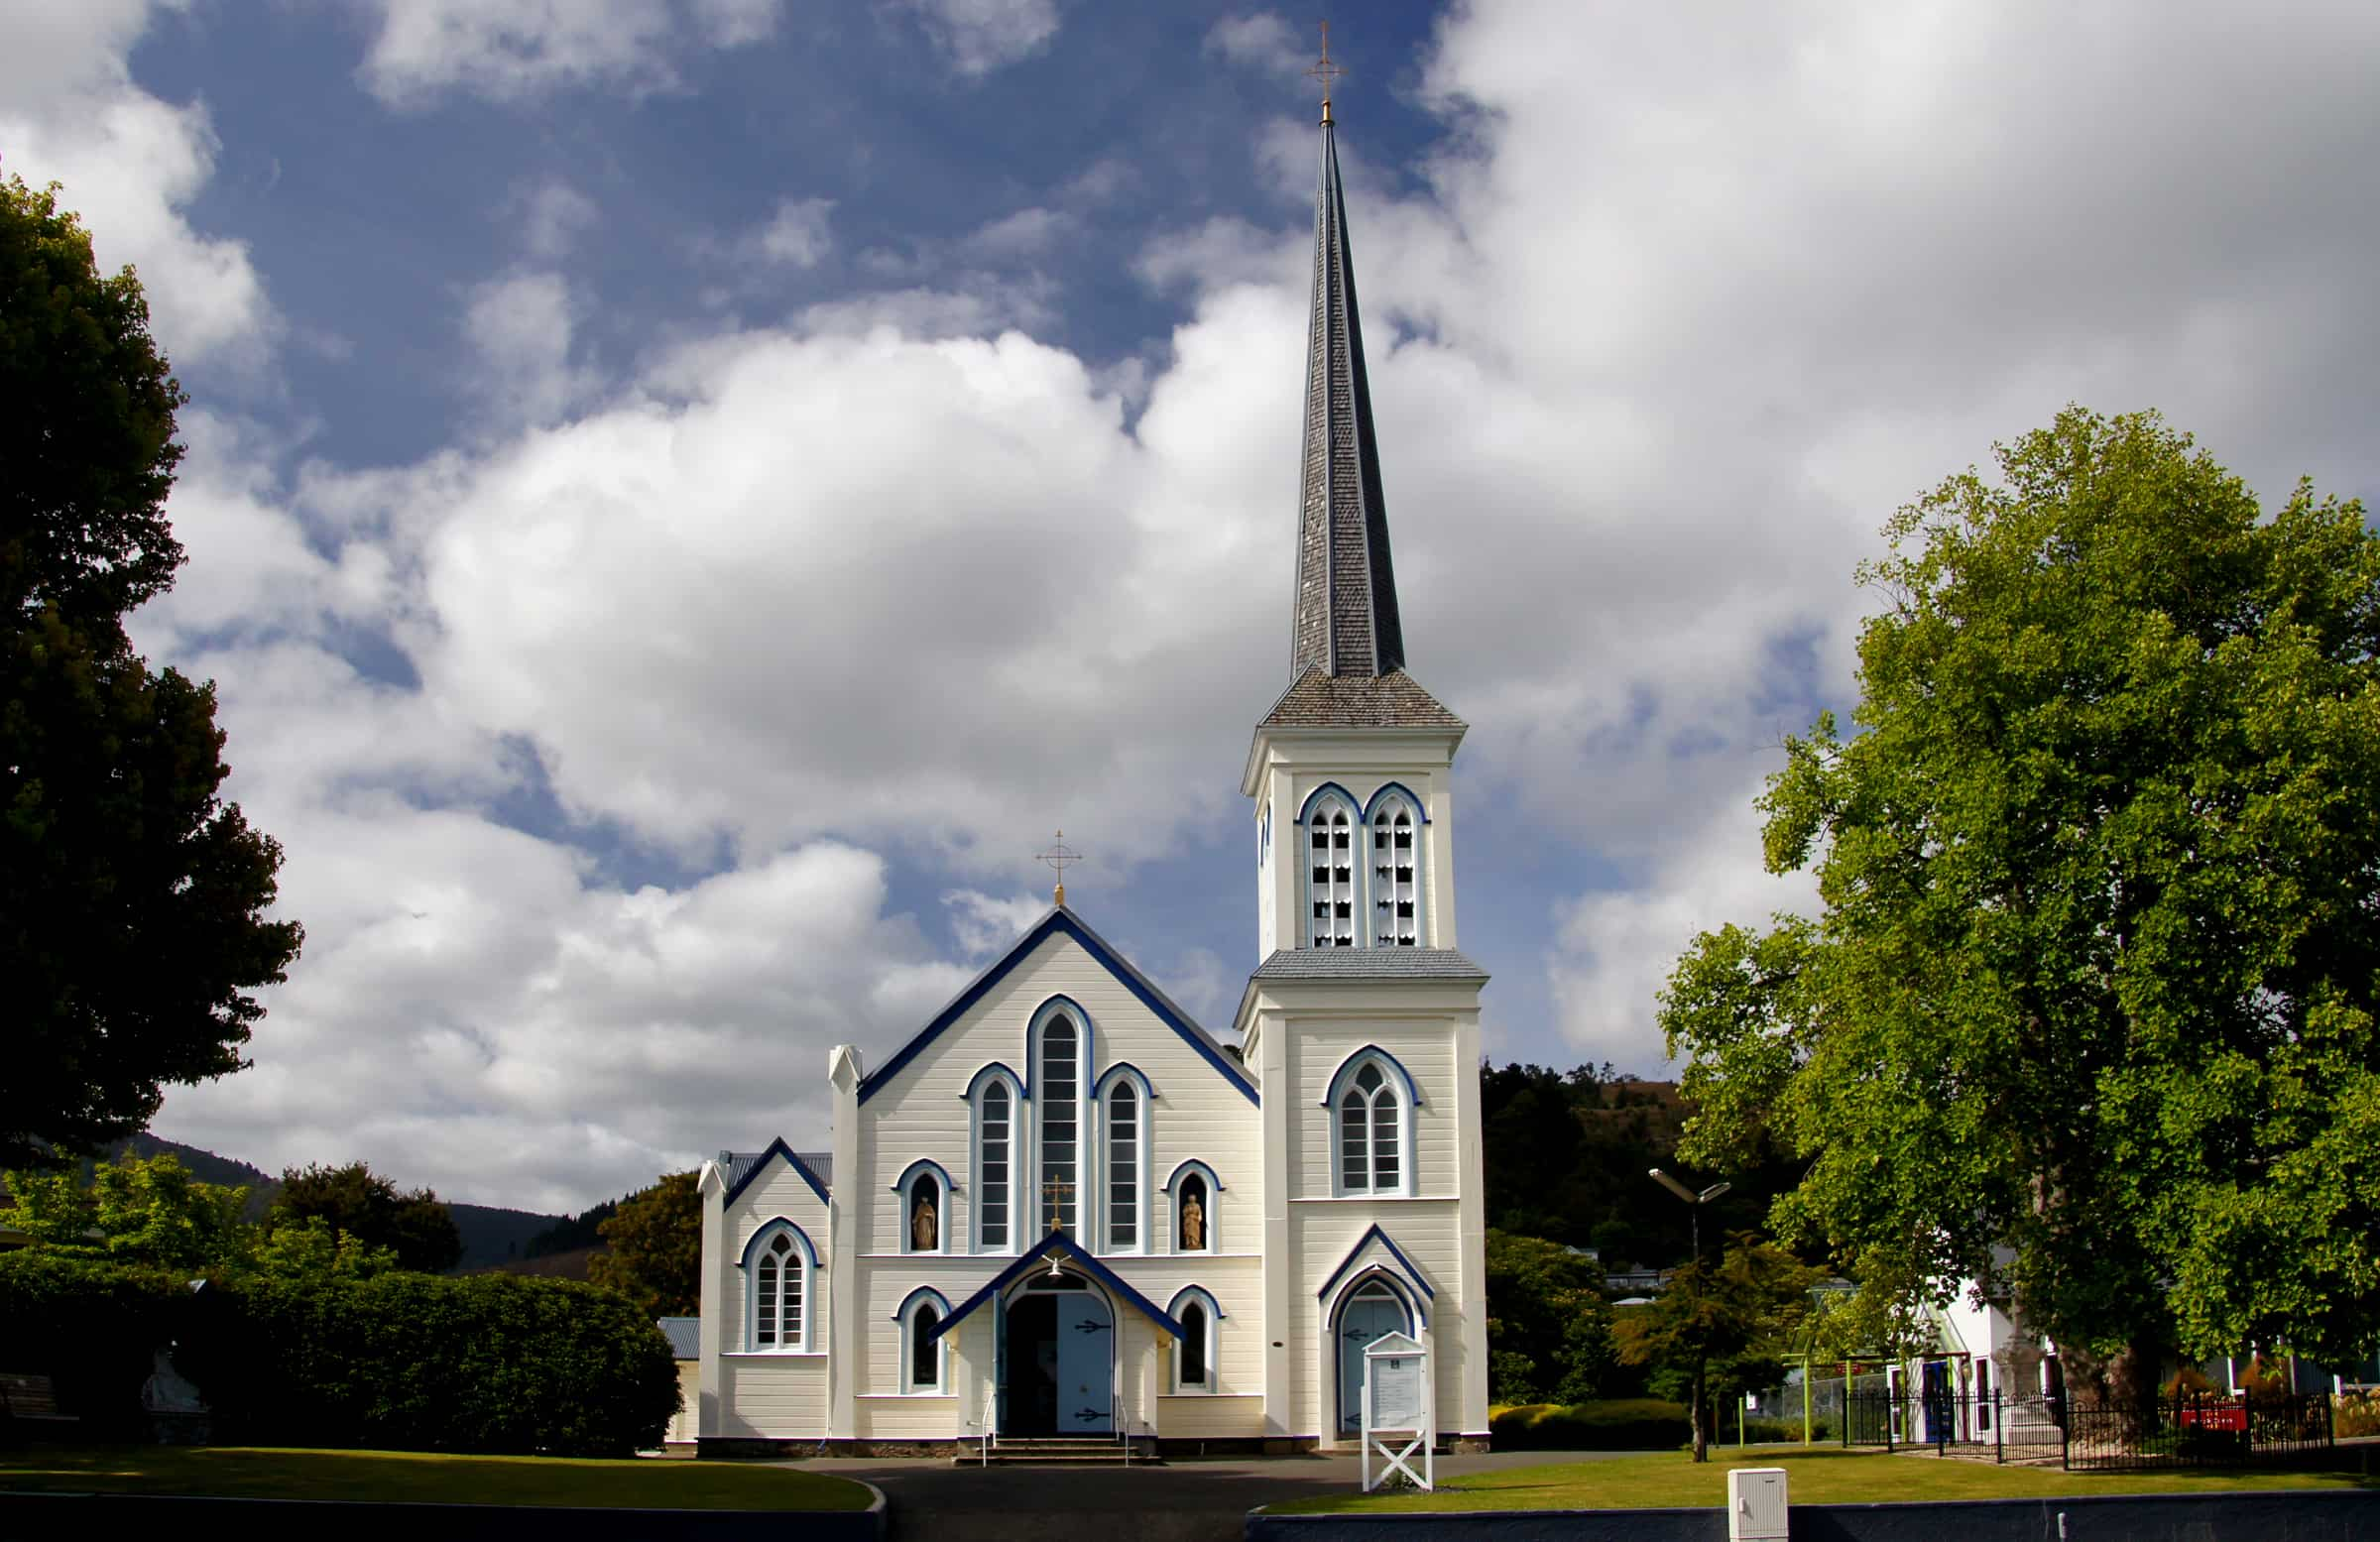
(1059, 1192)
(1326, 72)
(1059, 857)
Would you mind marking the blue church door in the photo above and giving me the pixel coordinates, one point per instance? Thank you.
(1086, 1360)
(1371, 1312)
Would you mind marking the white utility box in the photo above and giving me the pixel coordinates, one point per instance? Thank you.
(1757, 1504)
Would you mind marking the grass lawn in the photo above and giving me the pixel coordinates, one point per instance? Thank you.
(263, 1473)
(1815, 1476)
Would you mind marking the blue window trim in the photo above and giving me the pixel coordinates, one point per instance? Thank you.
(1421, 810)
(1417, 1316)
(1036, 1025)
(925, 1164)
(1062, 920)
(1354, 804)
(941, 1302)
(1372, 1234)
(988, 1070)
(774, 1224)
(1107, 1080)
(777, 1148)
(1199, 1294)
(1193, 1164)
(1354, 1062)
(1059, 1242)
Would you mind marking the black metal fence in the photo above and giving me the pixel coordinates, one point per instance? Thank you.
(2201, 1429)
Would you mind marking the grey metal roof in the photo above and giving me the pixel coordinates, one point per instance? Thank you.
(736, 1166)
(1367, 964)
(1345, 620)
(1392, 700)
(685, 1335)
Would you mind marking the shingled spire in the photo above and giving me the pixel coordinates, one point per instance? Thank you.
(1346, 619)
(1347, 646)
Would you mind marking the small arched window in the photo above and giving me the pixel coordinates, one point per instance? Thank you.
(993, 1131)
(1194, 1357)
(1370, 1124)
(1396, 898)
(924, 1209)
(778, 1291)
(1193, 1215)
(1331, 876)
(1124, 1168)
(925, 1349)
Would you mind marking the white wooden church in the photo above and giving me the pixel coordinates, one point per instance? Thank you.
(1065, 1209)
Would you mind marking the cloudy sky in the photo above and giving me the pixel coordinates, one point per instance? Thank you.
(684, 496)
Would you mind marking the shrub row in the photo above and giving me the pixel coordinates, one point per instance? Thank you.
(1618, 1424)
(487, 1363)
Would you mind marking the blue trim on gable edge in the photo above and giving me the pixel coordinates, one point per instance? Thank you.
(776, 1147)
(1352, 1254)
(1062, 919)
(1057, 1241)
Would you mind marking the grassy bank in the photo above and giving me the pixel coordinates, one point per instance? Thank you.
(1819, 1475)
(260, 1472)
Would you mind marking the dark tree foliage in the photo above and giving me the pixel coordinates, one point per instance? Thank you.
(584, 1229)
(1566, 1154)
(655, 1256)
(358, 1201)
(131, 924)
(1549, 1332)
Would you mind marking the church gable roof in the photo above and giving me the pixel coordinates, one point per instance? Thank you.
(1062, 921)
(1060, 1244)
(738, 1169)
(1392, 700)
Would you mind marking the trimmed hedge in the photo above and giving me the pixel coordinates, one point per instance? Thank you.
(402, 1362)
(1618, 1424)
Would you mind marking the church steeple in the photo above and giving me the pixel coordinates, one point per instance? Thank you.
(1346, 620)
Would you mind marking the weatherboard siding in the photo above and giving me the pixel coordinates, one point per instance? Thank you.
(773, 1397)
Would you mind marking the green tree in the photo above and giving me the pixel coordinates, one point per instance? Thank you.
(131, 921)
(1549, 1333)
(2094, 976)
(1720, 1327)
(136, 1210)
(355, 1200)
(311, 1247)
(655, 1256)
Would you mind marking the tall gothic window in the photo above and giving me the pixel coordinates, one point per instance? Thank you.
(1396, 902)
(1331, 876)
(1194, 1345)
(1124, 1168)
(991, 1168)
(1060, 1094)
(1371, 1123)
(779, 1275)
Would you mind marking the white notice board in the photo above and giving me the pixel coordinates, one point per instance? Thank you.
(1396, 1397)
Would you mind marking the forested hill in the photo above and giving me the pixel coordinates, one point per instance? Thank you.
(491, 1235)
(1567, 1155)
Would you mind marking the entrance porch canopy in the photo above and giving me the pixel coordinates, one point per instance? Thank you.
(1059, 1244)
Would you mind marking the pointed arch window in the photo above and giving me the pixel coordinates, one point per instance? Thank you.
(1194, 1353)
(778, 1295)
(1370, 1110)
(924, 1348)
(1396, 871)
(995, 1137)
(1331, 873)
(1124, 1168)
(1058, 1084)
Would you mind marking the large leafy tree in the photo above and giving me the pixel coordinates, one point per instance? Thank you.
(2088, 1014)
(132, 919)
(353, 1200)
(655, 1256)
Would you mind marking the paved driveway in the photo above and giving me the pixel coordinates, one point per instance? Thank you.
(1181, 1502)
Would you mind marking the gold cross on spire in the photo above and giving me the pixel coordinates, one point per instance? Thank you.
(1059, 857)
(1326, 72)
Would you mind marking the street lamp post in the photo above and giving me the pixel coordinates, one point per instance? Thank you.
(1698, 1201)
